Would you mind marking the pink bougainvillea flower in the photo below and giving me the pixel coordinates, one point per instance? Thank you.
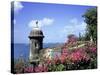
(93, 49)
(62, 58)
(29, 69)
(78, 56)
(41, 68)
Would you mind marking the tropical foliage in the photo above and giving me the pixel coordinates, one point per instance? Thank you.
(91, 20)
(84, 57)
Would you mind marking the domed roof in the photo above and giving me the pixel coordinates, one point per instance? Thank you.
(36, 32)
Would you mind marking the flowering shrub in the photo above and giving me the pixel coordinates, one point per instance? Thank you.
(92, 48)
(31, 69)
(72, 38)
(84, 57)
(28, 69)
(78, 56)
(41, 68)
(64, 51)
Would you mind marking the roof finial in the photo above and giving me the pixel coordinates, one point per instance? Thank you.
(36, 24)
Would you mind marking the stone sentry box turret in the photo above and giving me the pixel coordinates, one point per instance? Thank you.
(36, 43)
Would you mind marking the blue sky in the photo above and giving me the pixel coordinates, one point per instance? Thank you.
(56, 21)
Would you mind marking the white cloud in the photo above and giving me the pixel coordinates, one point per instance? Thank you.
(41, 23)
(74, 21)
(74, 27)
(17, 6)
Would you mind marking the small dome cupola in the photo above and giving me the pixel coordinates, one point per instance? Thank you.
(36, 32)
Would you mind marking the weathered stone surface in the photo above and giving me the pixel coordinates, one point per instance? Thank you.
(36, 44)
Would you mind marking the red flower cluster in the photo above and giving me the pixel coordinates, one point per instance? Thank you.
(78, 56)
(29, 69)
(64, 52)
(91, 47)
(41, 68)
(62, 58)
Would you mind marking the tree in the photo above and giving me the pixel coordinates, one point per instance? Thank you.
(72, 38)
(91, 21)
(80, 37)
